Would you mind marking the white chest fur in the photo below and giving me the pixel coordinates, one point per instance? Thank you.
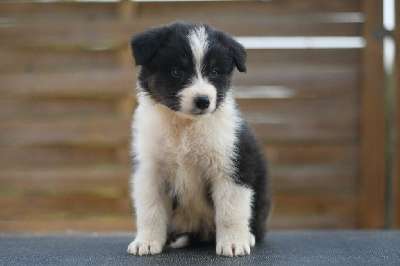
(189, 155)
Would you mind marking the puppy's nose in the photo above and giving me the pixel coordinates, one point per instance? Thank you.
(202, 102)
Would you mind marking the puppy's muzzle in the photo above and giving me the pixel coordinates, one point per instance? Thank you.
(202, 102)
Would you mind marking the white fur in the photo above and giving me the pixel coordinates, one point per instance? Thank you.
(233, 212)
(188, 154)
(199, 88)
(152, 210)
(180, 242)
(198, 41)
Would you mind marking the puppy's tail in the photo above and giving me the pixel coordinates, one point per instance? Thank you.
(188, 240)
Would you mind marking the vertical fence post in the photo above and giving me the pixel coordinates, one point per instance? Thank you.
(373, 126)
(127, 12)
(396, 150)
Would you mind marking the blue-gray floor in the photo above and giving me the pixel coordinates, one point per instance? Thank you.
(279, 248)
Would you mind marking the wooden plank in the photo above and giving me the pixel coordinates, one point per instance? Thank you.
(373, 133)
(62, 223)
(308, 120)
(36, 206)
(66, 179)
(312, 222)
(35, 60)
(57, 12)
(102, 131)
(329, 57)
(277, 92)
(314, 204)
(312, 154)
(299, 75)
(323, 109)
(259, 8)
(396, 148)
(112, 83)
(309, 133)
(15, 109)
(310, 178)
(25, 156)
(82, 36)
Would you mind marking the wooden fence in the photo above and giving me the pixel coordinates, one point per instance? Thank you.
(396, 143)
(67, 94)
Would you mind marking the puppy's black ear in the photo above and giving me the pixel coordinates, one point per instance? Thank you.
(239, 56)
(144, 45)
(236, 50)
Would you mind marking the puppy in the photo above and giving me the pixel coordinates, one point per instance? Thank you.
(199, 174)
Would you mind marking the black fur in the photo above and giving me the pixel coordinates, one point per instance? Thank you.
(251, 171)
(144, 45)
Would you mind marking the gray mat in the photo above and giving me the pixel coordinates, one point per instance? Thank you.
(279, 248)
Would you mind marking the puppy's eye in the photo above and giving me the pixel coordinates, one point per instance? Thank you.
(177, 72)
(214, 73)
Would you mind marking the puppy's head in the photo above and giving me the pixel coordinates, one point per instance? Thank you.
(187, 67)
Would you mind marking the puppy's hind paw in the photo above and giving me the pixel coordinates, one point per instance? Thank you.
(142, 247)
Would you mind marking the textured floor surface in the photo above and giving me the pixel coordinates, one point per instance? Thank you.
(279, 248)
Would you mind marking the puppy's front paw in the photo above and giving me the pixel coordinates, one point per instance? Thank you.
(142, 247)
(252, 240)
(233, 248)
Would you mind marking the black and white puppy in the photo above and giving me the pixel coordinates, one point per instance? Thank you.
(199, 175)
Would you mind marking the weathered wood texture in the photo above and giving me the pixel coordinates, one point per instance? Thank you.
(396, 148)
(67, 92)
(373, 121)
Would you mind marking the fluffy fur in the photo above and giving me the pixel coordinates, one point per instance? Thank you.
(199, 175)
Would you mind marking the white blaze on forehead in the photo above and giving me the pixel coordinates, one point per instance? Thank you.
(199, 44)
(198, 41)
